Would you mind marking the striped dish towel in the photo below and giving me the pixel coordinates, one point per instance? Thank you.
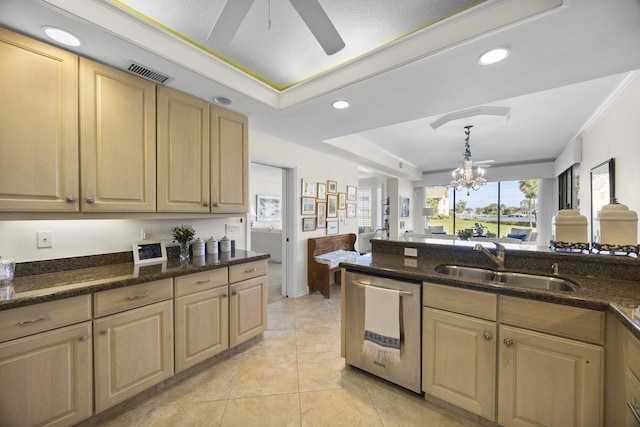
(382, 324)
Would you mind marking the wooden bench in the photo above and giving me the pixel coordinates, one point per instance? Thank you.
(319, 274)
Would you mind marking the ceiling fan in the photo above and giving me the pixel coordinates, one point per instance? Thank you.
(310, 11)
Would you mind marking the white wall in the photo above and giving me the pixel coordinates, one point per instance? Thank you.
(71, 238)
(615, 135)
(312, 165)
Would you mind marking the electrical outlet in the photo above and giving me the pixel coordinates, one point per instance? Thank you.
(45, 239)
(232, 228)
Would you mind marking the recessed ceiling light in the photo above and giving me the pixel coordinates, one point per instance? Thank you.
(221, 100)
(341, 104)
(62, 36)
(494, 56)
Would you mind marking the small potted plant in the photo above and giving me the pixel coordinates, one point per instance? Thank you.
(183, 234)
(464, 234)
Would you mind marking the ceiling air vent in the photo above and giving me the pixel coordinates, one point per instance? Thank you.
(148, 73)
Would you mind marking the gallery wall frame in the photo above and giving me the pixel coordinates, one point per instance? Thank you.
(332, 205)
(308, 188)
(405, 207)
(321, 214)
(332, 227)
(308, 224)
(308, 206)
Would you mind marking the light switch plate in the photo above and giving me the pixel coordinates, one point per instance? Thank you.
(411, 252)
(45, 239)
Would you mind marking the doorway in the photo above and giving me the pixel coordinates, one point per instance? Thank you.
(268, 224)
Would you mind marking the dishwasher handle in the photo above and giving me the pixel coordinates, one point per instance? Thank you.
(364, 285)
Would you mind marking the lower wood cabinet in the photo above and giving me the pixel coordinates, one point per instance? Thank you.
(459, 355)
(133, 351)
(247, 309)
(201, 325)
(548, 380)
(46, 378)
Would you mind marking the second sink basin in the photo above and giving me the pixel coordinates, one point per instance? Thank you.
(520, 280)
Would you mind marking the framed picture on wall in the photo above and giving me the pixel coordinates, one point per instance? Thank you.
(308, 224)
(351, 210)
(332, 187)
(342, 200)
(321, 215)
(341, 216)
(269, 208)
(322, 191)
(332, 206)
(332, 227)
(405, 209)
(352, 193)
(308, 206)
(308, 188)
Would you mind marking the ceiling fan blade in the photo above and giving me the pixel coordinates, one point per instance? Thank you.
(320, 25)
(229, 21)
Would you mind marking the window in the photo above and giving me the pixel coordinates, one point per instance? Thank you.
(364, 207)
(492, 211)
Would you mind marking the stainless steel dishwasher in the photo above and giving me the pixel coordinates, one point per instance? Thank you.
(407, 372)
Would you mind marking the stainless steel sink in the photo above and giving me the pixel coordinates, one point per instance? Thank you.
(508, 278)
(468, 272)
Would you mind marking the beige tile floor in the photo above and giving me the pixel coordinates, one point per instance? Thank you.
(293, 376)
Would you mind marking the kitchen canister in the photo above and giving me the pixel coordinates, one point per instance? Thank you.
(198, 247)
(212, 246)
(225, 244)
(618, 225)
(569, 226)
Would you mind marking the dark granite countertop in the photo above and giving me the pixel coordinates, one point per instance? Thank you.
(37, 288)
(617, 296)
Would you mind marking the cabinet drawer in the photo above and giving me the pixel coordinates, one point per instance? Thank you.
(247, 270)
(465, 301)
(196, 282)
(23, 321)
(571, 322)
(121, 299)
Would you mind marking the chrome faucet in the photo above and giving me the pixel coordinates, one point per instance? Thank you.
(554, 269)
(497, 259)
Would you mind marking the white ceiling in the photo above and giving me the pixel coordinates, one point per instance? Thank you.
(565, 62)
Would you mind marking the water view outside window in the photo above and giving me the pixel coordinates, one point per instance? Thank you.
(498, 209)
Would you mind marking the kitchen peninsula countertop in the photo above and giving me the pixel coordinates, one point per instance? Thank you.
(617, 296)
(33, 289)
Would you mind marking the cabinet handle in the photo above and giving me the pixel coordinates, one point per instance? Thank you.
(70, 199)
(104, 331)
(26, 322)
(90, 201)
(224, 295)
(250, 270)
(146, 294)
(234, 293)
(202, 282)
(82, 338)
(508, 342)
(215, 204)
(205, 204)
(487, 335)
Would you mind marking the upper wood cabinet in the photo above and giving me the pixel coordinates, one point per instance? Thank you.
(229, 162)
(117, 139)
(183, 152)
(38, 126)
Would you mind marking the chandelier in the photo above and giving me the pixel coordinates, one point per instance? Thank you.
(463, 176)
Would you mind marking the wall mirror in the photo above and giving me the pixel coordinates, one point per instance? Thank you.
(602, 193)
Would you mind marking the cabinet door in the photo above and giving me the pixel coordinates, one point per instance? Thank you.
(459, 359)
(183, 152)
(202, 326)
(229, 162)
(247, 309)
(547, 380)
(117, 140)
(133, 351)
(38, 126)
(46, 379)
